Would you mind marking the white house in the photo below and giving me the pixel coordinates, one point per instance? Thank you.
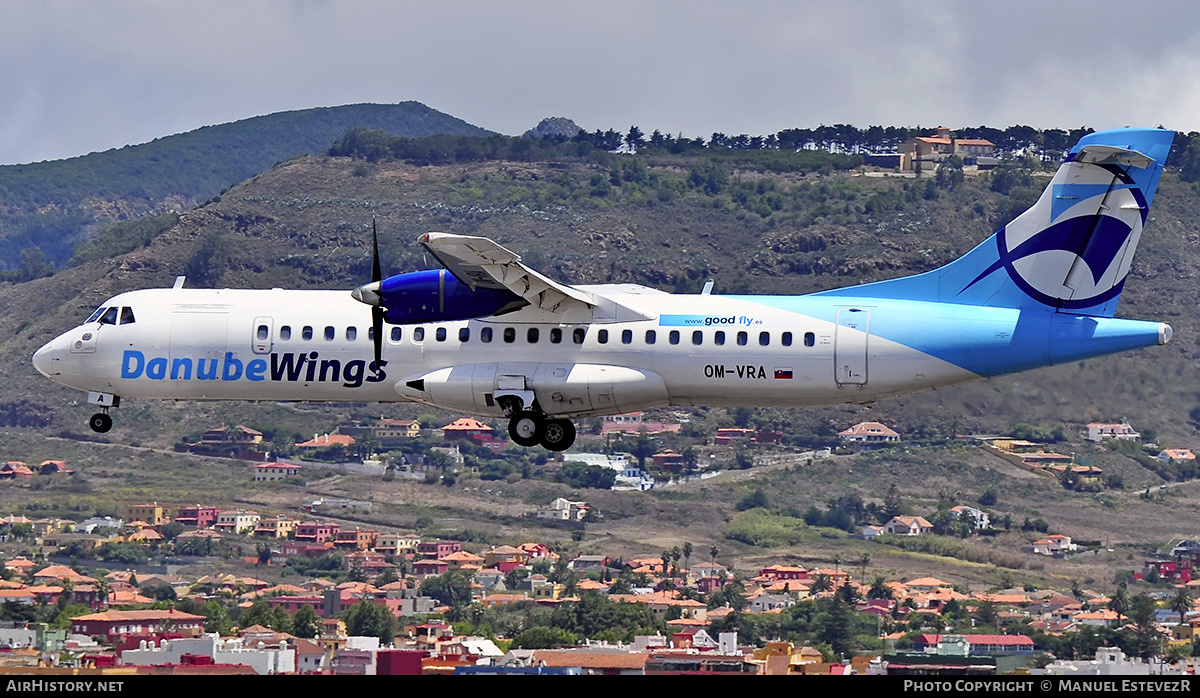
(871, 532)
(1054, 545)
(1179, 455)
(276, 660)
(238, 521)
(1098, 432)
(629, 475)
(867, 434)
(564, 510)
(907, 526)
(267, 472)
(980, 517)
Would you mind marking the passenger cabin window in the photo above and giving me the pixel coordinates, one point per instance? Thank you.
(109, 317)
(651, 336)
(809, 339)
(464, 334)
(126, 316)
(306, 333)
(351, 334)
(556, 335)
(577, 335)
(510, 335)
(370, 334)
(532, 335)
(764, 338)
(440, 334)
(673, 337)
(627, 337)
(263, 332)
(743, 338)
(602, 336)
(485, 335)
(719, 338)
(697, 337)
(329, 334)
(786, 339)
(418, 334)
(285, 332)
(397, 333)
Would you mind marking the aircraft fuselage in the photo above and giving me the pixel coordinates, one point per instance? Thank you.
(784, 351)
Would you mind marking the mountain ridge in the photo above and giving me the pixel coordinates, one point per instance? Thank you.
(54, 205)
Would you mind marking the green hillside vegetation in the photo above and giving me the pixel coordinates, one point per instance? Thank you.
(51, 205)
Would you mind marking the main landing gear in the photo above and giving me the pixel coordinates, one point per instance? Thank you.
(533, 427)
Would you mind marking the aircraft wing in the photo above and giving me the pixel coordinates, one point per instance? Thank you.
(481, 263)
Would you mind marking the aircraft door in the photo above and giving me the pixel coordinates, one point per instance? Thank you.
(264, 334)
(850, 346)
(198, 344)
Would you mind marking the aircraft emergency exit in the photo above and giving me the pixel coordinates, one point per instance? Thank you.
(488, 336)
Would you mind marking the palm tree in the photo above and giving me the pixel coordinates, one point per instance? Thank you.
(864, 561)
(879, 589)
(821, 582)
(1119, 603)
(688, 549)
(1181, 603)
(103, 589)
(713, 552)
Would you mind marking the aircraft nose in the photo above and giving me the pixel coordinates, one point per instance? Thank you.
(48, 359)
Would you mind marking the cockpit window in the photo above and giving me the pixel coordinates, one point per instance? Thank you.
(126, 316)
(109, 317)
(96, 315)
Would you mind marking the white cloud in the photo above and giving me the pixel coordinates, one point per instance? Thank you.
(93, 76)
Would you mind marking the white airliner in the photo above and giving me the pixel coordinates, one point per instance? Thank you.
(488, 336)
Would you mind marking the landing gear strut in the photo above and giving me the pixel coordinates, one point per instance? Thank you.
(530, 428)
(100, 422)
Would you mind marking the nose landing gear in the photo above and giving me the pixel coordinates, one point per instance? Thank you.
(100, 422)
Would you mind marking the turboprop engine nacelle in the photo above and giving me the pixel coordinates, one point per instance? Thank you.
(433, 296)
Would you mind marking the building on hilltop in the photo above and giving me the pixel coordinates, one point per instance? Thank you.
(926, 153)
(867, 435)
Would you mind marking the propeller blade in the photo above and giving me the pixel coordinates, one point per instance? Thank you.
(377, 332)
(376, 272)
(376, 310)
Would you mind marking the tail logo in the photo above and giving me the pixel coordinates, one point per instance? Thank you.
(1077, 262)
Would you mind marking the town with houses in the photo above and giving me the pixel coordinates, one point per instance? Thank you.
(317, 595)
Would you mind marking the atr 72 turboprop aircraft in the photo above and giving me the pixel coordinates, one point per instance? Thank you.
(488, 336)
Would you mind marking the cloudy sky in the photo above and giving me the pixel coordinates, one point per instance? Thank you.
(87, 76)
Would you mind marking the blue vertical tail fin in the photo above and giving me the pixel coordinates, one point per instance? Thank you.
(1071, 251)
